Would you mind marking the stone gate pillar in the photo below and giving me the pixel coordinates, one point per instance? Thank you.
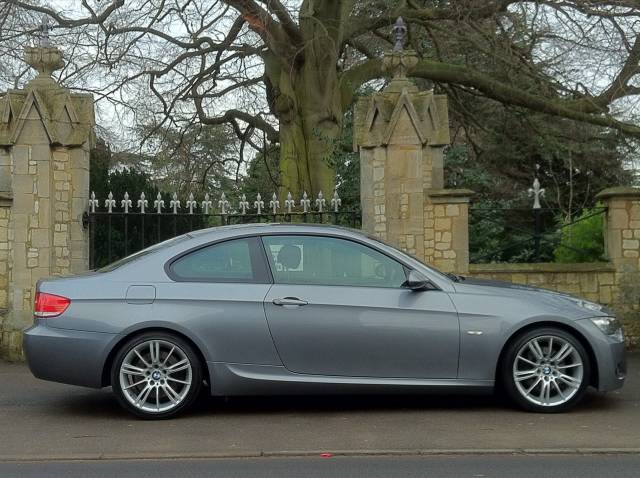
(401, 134)
(46, 132)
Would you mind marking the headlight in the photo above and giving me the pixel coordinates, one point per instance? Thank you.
(610, 326)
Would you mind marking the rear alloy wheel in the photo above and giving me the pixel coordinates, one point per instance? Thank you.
(546, 370)
(156, 376)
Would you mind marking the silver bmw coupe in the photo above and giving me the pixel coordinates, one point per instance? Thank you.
(286, 309)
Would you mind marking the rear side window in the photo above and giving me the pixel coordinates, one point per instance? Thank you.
(237, 260)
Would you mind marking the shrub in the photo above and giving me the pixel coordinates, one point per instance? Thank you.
(582, 241)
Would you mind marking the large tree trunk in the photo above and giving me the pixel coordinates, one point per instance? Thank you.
(305, 95)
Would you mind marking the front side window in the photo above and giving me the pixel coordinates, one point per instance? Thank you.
(330, 261)
(229, 261)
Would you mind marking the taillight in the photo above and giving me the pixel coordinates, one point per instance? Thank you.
(49, 305)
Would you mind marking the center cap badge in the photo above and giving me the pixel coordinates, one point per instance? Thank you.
(156, 375)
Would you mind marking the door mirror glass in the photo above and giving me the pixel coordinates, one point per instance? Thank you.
(416, 281)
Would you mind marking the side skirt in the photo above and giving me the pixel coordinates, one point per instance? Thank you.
(241, 379)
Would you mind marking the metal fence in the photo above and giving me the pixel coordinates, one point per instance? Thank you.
(118, 228)
(531, 235)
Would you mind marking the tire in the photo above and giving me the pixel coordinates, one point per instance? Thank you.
(552, 369)
(156, 375)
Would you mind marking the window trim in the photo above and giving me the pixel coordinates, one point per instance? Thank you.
(269, 259)
(262, 271)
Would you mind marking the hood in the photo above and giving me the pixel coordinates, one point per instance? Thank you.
(561, 299)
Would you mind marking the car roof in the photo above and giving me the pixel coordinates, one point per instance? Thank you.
(266, 228)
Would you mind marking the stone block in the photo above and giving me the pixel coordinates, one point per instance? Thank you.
(453, 210)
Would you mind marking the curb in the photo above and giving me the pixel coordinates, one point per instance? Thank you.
(318, 453)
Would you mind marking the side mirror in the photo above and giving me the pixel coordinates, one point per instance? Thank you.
(416, 281)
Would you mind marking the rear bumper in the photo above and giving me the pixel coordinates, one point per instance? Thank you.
(74, 357)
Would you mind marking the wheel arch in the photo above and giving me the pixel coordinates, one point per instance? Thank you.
(593, 378)
(108, 363)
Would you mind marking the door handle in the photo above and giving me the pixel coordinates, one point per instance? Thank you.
(289, 301)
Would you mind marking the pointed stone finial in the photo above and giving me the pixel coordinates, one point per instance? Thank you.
(159, 203)
(45, 58)
(93, 202)
(289, 202)
(244, 204)
(126, 203)
(223, 204)
(259, 204)
(191, 203)
(305, 203)
(45, 41)
(110, 203)
(400, 34)
(142, 203)
(321, 202)
(336, 202)
(175, 203)
(206, 204)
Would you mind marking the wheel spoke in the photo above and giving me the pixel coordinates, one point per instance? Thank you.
(178, 366)
(142, 397)
(184, 382)
(564, 352)
(131, 369)
(571, 365)
(168, 355)
(534, 346)
(171, 393)
(559, 389)
(134, 384)
(158, 398)
(154, 351)
(520, 357)
(526, 375)
(146, 364)
(530, 389)
(569, 380)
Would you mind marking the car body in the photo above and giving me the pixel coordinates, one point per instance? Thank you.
(285, 309)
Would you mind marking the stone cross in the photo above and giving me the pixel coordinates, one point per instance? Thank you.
(320, 202)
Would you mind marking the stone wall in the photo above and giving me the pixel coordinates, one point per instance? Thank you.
(591, 281)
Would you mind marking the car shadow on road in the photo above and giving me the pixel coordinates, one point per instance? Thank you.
(102, 404)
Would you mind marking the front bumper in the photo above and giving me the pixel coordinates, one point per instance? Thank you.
(610, 356)
(68, 356)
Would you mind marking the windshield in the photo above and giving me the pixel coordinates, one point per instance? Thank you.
(142, 253)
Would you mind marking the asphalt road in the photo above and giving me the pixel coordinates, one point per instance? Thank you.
(42, 420)
(487, 466)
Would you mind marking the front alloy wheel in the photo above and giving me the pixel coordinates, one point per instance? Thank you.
(156, 376)
(546, 370)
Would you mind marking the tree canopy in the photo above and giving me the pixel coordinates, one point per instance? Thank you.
(285, 72)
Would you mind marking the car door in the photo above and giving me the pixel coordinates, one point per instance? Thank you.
(338, 307)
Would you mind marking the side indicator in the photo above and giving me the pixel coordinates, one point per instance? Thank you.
(475, 332)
